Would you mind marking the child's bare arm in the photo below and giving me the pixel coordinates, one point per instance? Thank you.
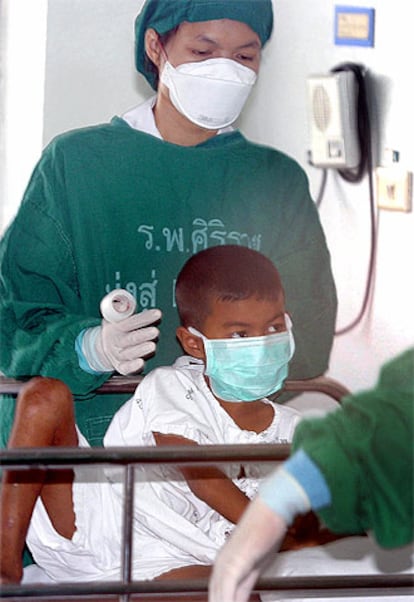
(209, 483)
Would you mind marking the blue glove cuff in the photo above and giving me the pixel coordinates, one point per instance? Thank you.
(296, 487)
(304, 470)
(85, 347)
(284, 495)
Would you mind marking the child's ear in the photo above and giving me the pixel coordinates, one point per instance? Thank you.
(192, 344)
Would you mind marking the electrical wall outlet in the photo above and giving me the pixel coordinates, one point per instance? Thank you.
(394, 189)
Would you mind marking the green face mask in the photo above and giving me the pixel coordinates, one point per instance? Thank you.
(248, 368)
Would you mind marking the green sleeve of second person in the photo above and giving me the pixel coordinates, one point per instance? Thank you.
(365, 452)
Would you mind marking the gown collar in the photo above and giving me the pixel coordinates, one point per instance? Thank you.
(142, 118)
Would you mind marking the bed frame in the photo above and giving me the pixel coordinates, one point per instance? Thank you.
(126, 589)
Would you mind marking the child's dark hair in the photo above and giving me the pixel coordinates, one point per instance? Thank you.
(227, 273)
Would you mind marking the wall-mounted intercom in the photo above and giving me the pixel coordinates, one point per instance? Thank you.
(333, 120)
(340, 133)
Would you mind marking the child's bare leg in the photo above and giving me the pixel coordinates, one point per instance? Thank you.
(44, 418)
(190, 572)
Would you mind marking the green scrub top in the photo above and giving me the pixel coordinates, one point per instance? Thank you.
(109, 207)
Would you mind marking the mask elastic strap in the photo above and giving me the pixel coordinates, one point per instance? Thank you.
(289, 327)
(164, 53)
(197, 333)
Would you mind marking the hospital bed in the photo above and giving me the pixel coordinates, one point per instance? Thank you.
(288, 582)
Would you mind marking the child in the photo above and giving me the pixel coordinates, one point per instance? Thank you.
(238, 340)
(354, 467)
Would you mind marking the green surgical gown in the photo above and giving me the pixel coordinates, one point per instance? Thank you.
(365, 451)
(109, 206)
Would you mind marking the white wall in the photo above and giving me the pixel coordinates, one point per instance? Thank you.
(90, 73)
(90, 76)
(302, 44)
(22, 70)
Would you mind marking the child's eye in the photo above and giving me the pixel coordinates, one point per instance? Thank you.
(276, 328)
(239, 334)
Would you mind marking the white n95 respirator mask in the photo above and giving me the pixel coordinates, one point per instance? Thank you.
(248, 368)
(209, 93)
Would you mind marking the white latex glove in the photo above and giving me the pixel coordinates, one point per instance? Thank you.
(121, 346)
(239, 562)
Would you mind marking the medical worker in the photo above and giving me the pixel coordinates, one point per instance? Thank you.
(124, 204)
(354, 467)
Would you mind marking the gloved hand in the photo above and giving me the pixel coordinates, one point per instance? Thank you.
(121, 346)
(240, 560)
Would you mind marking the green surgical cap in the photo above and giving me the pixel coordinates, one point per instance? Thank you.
(164, 15)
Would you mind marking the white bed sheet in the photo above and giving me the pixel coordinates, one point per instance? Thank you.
(350, 556)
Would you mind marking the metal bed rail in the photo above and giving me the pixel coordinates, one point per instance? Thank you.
(126, 588)
(127, 384)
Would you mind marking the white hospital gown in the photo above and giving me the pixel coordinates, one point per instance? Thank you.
(172, 527)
